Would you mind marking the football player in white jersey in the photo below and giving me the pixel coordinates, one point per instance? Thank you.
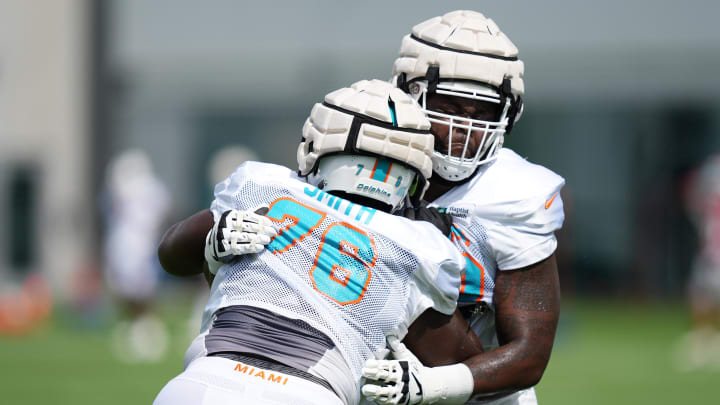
(466, 75)
(700, 347)
(296, 322)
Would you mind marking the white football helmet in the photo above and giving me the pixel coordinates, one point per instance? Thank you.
(372, 177)
(379, 140)
(463, 54)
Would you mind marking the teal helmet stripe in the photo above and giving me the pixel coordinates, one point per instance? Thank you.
(381, 171)
(391, 104)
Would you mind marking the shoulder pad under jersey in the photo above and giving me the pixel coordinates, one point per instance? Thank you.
(441, 263)
(226, 189)
(511, 191)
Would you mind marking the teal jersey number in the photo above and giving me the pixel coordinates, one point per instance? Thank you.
(304, 218)
(472, 283)
(345, 256)
(343, 263)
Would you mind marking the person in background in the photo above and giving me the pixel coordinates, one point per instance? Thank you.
(701, 346)
(136, 204)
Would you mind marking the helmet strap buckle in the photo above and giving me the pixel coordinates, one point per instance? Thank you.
(402, 82)
(432, 75)
(506, 96)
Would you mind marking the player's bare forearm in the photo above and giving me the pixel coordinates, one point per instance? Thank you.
(181, 250)
(439, 340)
(527, 311)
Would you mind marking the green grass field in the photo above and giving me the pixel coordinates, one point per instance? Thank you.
(610, 353)
(620, 353)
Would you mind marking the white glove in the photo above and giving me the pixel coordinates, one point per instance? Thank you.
(236, 233)
(399, 351)
(406, 381)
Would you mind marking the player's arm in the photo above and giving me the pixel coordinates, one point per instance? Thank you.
(527, 311)
(439, 340)
(181, 249)
(198, 244)
(527, 303)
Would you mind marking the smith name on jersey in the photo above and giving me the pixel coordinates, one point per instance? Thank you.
(504, 218)
(348, 271)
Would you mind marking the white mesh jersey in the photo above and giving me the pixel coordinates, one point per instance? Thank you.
(504, 218)
(354, 273)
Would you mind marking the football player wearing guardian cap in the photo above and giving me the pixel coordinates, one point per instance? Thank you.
(465, 73)
(296, 322)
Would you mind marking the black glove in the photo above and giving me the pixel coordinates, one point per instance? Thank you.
(441, 220)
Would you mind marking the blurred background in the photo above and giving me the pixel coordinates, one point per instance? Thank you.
(117, 117)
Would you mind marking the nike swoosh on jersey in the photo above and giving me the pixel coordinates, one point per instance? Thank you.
(549, 202)
(418, 384)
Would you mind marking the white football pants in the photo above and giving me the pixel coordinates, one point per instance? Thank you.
(220, 381)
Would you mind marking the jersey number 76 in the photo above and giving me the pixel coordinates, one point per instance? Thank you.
(344, 259)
